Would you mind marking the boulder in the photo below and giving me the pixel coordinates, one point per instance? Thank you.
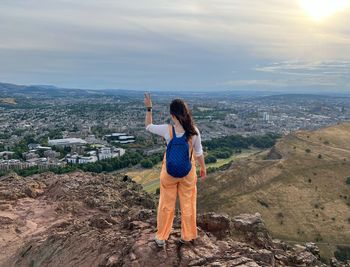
(252, 227)
(217, 224)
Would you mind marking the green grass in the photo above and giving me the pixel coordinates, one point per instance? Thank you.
(221, 162)
(149, 178)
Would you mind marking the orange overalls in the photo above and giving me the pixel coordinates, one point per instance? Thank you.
(186, 187)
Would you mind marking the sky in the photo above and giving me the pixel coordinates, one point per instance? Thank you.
(202, 45)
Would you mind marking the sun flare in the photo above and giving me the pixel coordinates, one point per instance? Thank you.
(320, 9)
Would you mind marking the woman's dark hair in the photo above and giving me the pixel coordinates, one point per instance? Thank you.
(180, 110)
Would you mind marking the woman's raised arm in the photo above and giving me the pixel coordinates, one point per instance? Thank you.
(148, 104)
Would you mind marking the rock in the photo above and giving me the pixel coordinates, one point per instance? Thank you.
(265, 256)
(112, 261)
(103, 220)
(143, 214)
(311, 247)
(147, 203)
(197, 262)
(216, 264)
(307, 258)
(217, 224)
(241, 261)
(8, 195)
(100, 222)
(274, 154)
(335, 263)
(30, 192)
(126, 178)
(5, 220)
(253, 229)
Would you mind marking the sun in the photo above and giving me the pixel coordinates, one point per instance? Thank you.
(321, 9)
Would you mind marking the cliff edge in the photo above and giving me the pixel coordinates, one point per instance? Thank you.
(82, 219)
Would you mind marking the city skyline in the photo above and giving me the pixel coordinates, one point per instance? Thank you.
(184, 45)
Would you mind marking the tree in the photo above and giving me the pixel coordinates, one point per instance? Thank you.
(146, 163)
(210, 159)
(222, 154)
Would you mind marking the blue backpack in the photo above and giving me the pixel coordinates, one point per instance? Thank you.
(178, 161)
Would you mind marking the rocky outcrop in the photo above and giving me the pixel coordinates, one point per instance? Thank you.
(83, 219)
(274, 154)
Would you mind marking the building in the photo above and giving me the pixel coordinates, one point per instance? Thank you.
(266, 116)
(122, 138)
(6, 154)
(50, 154)
(15, 164)
(126, 139)
(110, 152)
(77, 159)
(87, 159)
(67, 142)
(30, 155)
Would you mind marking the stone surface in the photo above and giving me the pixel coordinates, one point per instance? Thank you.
(217, 224)
(253, 229)
(83, 219)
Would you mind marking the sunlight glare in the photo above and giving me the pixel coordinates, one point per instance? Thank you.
(320, 9)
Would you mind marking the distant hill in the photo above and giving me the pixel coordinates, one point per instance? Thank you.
(299, 187)
(8, 90)
(42, 91)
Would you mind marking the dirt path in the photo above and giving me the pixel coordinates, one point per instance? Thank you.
(323, 145)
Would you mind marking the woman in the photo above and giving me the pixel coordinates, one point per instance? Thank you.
(185, 187)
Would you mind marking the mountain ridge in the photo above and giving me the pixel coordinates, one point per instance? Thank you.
(299, 187)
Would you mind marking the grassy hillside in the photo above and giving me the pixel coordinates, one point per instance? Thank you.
(149, 178)
(302, 197)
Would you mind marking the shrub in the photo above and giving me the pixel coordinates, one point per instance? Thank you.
(210, 159)
(223, 154)
(146, 163)
(158, 191)
(319, 156)
(211, 170)
(308, 150)
(342, 253)
(348, 180)
(263, 203)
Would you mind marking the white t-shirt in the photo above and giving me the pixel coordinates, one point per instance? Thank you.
(163, 130)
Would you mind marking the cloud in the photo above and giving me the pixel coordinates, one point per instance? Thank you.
(296, 67)
(184, 44)
(332, 74)
(297, 74)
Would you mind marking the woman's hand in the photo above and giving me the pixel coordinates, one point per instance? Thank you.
(203, 174)
(147, 100)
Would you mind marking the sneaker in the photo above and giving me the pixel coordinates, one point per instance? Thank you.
(160, 243)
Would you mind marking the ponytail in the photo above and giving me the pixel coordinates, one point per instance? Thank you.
(180, 110)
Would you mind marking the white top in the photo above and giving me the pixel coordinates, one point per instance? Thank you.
(163, 130)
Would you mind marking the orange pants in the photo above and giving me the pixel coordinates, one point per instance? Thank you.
(186, 187)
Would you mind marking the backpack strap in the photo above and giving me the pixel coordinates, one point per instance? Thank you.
(191, 146)
(171, 131)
